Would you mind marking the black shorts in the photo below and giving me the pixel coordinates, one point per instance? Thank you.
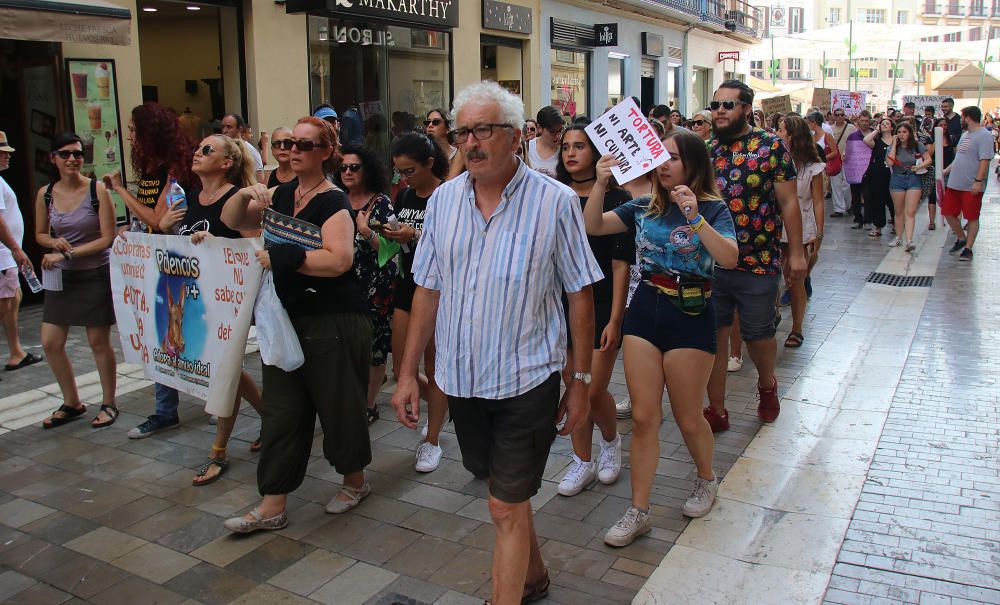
(507, 440)
(652, 317)
(403, 296)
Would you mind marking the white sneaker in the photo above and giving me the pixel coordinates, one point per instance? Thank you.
(634, 524)
(580, 475)
(609, 464)
(428, 457)
(213, 419)
(895, 242)
(702, 497)
(910, 246)
(735, 364)
(423, 431)
(623, 408)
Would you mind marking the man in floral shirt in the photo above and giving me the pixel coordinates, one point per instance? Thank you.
(757, 179)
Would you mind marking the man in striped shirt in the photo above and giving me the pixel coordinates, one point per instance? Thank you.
(500, 245)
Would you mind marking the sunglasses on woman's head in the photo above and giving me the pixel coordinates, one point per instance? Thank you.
(65, 154)
(204, 149)
(351, 167)
(434, 122)
(727, 105)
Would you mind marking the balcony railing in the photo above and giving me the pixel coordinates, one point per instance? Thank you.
(932, 8)
(954, 10)
(746, 17)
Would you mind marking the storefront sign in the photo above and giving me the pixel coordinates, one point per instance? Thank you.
(781, 104)
(625, 133)
(93, 96)
(652, 44)
(821, 99)
(606, 34)
(184, 310)
(922, 101)
(439, 13)
(506, 17)
(729, 55)
(850, 101)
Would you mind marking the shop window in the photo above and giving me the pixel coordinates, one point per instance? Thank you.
(570, 82)
(381, 79)
(501, 62)
(616, 80)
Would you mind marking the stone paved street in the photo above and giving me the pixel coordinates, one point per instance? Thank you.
(91, 516)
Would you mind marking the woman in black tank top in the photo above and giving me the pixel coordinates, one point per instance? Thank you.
(282, 150)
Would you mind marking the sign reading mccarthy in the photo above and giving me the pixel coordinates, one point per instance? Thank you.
(441, 13)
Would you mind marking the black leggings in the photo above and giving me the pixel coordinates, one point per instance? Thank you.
(857, 206)
(876, 199)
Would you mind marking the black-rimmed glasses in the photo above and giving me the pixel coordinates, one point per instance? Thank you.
(480, 132)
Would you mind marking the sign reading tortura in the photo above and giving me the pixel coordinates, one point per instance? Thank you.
(442, 13)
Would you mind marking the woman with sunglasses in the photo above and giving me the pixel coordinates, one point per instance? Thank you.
(530, 129)
(75, 222)
(161, 150)
(363, 177)
(877, 177)
(907, 158)
(438, 127)
(798, 139)
(543, 150)
(281, 146)
(317, 286)
(223, 167)
(577, 169)
(701, 124)
(425, 167)
(682, 231)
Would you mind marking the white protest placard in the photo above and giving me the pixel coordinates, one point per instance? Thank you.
(850, 101)
(184, 310)
(922, 101)
(626, 134)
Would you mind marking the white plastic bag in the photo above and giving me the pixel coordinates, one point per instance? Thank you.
(279, 344)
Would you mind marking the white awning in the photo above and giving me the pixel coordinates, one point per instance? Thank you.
(87, 21)
(871, 40)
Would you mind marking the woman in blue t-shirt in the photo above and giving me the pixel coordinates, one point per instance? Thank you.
(682, 231)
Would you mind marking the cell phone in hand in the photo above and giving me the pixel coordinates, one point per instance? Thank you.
(376, 226)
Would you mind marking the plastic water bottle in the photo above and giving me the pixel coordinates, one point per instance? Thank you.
(394, 225)
(176, 199)
(29, 276)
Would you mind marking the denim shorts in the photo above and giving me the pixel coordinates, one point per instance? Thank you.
(753, 295)
(652, 317)
(904, 182)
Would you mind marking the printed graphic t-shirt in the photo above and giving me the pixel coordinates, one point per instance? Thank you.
(151, 186)
(667, 243)
(746, 170)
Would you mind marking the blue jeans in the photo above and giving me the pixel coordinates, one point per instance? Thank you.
(167, 401)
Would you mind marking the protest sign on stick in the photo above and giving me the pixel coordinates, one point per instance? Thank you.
(626, 134)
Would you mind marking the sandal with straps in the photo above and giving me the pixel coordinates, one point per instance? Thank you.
(68, 415)
(222, 463)
(111, 410)
(794, 340)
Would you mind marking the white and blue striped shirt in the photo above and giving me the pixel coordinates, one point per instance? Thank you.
(500, 326)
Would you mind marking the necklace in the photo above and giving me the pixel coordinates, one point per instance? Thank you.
(212, 198)
(302, 196)
(593, 178)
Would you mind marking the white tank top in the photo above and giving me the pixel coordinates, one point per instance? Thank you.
(545, 166)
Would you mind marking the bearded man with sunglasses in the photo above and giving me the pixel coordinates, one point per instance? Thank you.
(756, 177)
(500, 245)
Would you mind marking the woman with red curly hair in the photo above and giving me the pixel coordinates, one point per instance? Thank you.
(161, 150)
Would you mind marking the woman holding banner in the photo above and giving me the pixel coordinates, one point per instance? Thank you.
(310, 236)
(75, 222)
(577, 169)
(682, 231)
(223, 168)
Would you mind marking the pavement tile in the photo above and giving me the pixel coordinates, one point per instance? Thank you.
(39, 594)
(20, 512)
(133, 512)
(265, 594)
(382, 544)
(37, 558)
(137, 590)
(155, 563)
(270, 558)
(195, 534)
(85, 577)
(355, 585)
(442, 525)
(423, 557)
(229, 547)
(12, 583)
(576, 560)
(211, 585)
(105, 544)
(466, 572)
(408, 590)
(311, 572)
(60, 527)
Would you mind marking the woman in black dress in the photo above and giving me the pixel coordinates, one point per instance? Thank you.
(877, 177)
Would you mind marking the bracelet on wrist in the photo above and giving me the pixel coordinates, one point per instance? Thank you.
(696, 219)
(67, 255)
(371, 236)
(696, 227)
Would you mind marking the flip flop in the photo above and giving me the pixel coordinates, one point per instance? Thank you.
(68, 415)
(223, 464)
(28, 360)
(111, 411)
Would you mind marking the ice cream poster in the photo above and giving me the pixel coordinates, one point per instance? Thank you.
(184, 310)
(626, 134)
(93, 100)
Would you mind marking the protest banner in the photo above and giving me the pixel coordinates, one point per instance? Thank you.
(780, 104)
(184, 310)
(922, 101)
(850, 101)
(625, 133)
(821, 99)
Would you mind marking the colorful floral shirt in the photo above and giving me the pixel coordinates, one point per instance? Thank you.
(746, 171)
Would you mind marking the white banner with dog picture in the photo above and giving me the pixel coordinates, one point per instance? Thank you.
(184, 310)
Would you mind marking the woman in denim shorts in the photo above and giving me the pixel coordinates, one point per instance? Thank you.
(906, 157)
(682, 231)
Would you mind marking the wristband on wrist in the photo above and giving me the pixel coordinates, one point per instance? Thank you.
(696, 219)
(371, 236)
(67, 255)
(697, 225)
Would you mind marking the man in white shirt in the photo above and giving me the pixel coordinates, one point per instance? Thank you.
(235, 127)
(839, 187)
(11, 257)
